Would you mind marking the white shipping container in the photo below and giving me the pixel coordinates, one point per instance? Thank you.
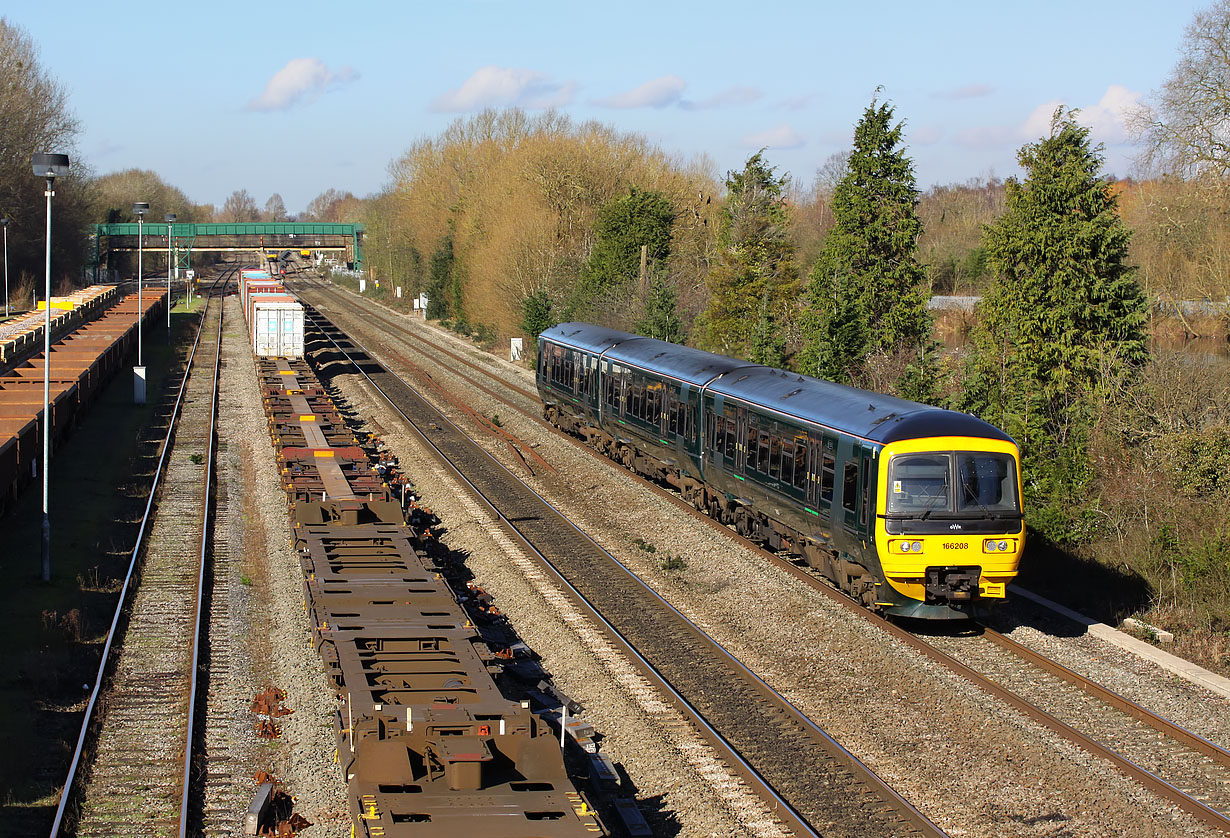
(277, 329)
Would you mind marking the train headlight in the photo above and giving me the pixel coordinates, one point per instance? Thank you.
(993, 545)
(916, 546)
(909, 546)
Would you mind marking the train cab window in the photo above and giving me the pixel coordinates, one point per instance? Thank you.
(849, 487)
(826, 478)
(919, 483)
(987, 482)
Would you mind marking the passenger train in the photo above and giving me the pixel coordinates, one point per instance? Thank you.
(911, 509)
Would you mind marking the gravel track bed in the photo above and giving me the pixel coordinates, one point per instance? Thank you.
(1179, 700)
(229, 744)
(268, 599)
(1192, 772)
(972, 766)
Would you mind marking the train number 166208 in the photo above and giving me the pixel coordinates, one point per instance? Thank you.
(956, 545)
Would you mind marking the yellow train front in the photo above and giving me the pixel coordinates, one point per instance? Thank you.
(949, 532)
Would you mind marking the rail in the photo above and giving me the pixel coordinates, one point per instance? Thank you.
(70, 788)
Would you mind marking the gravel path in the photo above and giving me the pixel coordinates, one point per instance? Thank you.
(972, 766)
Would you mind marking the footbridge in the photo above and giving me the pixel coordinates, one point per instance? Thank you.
(344, 241)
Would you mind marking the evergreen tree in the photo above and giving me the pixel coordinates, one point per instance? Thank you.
(440, 281)
(639, 219)
(756, 262)
(536, 315)
(662, 320)
(768, 339)
(867, 291)
(1063, 317)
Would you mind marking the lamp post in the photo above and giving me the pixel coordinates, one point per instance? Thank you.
(170, 219)
(49, 166)
(139, 209)
(4, 222)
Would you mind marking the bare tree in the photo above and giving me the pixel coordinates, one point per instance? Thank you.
(329, 206)
(34, 117)
(830, 173)
(275, 208)
(239, 207)
(1187, 128)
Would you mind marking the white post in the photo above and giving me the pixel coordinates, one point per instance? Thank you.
(6, 267)
(140, 308)
(47, 400)
(169, 225)
(563, 724)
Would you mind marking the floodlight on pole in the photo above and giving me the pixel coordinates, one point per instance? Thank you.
(4, 222)
(49, 166)
(170, 219)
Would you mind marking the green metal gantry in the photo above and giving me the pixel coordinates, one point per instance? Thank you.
(188, 238)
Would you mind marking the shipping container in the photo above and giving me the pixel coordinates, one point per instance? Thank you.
(277, 328)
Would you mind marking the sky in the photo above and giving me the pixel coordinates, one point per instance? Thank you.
(297, 98)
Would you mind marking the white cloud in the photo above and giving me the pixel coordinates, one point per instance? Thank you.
(495, 86)
(302, 80)
(969, 91)
(1107, 120)
(780, 137)
(736, 95)
(658, 93)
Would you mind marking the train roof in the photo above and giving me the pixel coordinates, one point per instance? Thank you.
(586, 336)
(694, 366)
(873, 416)
(864, 413)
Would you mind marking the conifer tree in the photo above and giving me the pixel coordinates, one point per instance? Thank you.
(756, 261)
(642, 218)
(867, 291)
(1063, 317)
(662, 320)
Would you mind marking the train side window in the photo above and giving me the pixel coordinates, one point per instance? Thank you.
(826, 478)
(731, 442)
(610, 387)
(653, 405)
(672, 411)
(762, 456)
(715, 430)
(849, 487)
(781, 458)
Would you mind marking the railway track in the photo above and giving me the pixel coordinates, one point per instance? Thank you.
(774, 747)
(1180, 767)
(134, 764)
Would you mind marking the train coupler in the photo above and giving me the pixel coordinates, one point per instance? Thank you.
(953, 585)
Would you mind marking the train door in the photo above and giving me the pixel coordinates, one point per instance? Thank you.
(856, 486)
(741, 429)
(815, 458)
